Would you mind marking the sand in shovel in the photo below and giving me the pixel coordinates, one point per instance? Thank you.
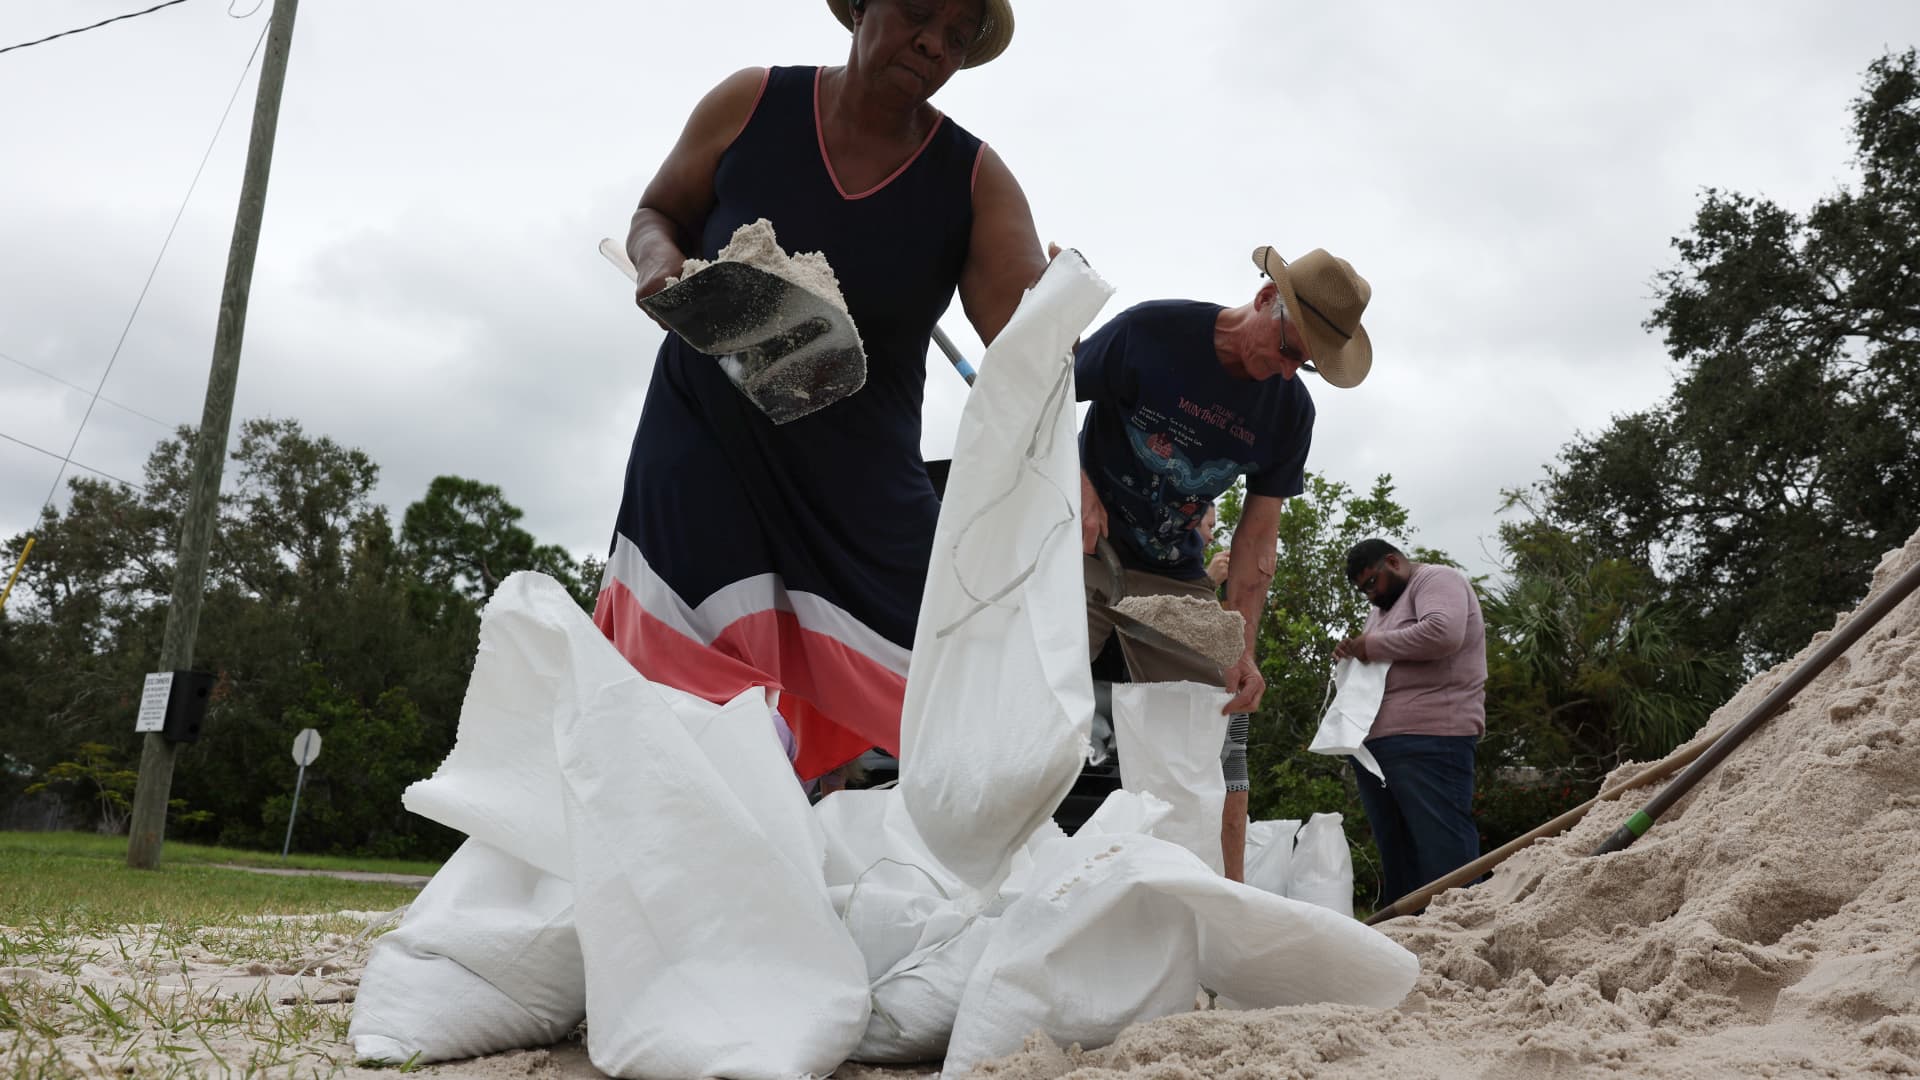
(1200, 624)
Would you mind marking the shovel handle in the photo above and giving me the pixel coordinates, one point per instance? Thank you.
(617, 255)
(947, 346)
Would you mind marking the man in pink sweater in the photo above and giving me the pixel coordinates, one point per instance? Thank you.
(1426, 621)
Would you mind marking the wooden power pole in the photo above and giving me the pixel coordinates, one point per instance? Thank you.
(210, 446)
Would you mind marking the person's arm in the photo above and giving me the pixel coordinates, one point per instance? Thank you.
(1250, 567)
(1003, 250)
(1439, 627)
(674, 208)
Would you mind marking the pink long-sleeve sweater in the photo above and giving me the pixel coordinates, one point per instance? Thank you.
(1438, 644)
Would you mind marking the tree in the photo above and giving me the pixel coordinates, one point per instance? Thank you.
(467, 538)
(1787, 458)
(316, 615)
(1586, 665)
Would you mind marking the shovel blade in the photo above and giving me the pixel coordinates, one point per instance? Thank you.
(789, 350)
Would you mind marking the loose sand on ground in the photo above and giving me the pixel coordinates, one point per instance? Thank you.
(1767, 926)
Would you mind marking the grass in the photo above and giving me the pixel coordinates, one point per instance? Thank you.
(174, 853)
(92, 956)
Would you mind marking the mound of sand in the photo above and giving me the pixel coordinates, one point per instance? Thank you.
(1768, 925)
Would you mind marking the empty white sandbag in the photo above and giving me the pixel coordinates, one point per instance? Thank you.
(1168, 737)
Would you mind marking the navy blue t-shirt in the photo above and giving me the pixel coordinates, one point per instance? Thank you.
(1170, 430)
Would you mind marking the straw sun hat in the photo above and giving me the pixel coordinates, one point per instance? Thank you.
(994, 34)
(1325, 297)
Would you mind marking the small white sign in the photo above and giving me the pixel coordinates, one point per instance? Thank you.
(153, 702)
(306, 747)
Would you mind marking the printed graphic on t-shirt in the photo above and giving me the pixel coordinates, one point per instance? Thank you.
(1172, 486)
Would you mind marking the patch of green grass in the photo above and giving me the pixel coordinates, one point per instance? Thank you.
(176, 853)
(64, 881)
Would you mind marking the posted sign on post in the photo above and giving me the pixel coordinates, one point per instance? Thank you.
(306, 747)
(153, 702)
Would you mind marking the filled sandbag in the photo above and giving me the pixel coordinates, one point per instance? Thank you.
(999, 701)
(1269, 858)
(710, 951)
(916, 1000)
(485, 960)
(1116, 929)
(1321, 871)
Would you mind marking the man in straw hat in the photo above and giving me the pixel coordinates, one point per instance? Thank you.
(1187, 398)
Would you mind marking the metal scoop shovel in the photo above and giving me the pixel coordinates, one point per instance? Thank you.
(1130, 627)
(789, 350)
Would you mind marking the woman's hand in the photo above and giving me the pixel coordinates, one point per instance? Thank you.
(665, 261)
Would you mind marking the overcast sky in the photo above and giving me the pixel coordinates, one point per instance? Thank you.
(1507, 176)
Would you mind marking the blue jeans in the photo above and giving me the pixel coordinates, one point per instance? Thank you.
(1422, 818)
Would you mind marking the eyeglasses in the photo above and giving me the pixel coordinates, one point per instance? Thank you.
(1290, 351)
(1370, 579)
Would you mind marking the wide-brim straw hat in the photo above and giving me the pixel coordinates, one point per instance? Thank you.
(1325, 298)
(994, 35)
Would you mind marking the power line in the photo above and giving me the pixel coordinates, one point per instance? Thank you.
(64, 461)
(70, 461)
(84, 390)
(95, 26)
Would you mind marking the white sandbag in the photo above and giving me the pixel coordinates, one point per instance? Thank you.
(999, 701)
(1168, 738)
(742, 740)
(1269, 856)
(1357, 690)
(485, 960)
(501, 782)
(870, 838)
(1124, 811)
(1321, 871)
(887, 923)
(709, 952)
(1117, 929)
(916, 1000)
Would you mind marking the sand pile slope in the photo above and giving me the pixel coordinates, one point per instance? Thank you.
(1768, 925)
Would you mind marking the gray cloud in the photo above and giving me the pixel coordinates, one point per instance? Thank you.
(1508, 176)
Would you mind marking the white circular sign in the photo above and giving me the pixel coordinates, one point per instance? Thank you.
(306, 747)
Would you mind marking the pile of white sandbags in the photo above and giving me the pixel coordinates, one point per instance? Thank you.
(645, 860)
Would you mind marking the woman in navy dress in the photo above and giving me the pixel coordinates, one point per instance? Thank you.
(793, 556)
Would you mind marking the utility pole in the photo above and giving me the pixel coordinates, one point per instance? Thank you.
(210, 446)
